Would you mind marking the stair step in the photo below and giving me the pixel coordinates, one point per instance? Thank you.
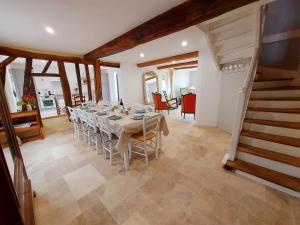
(295, 142)
(291, 125)
(277, 88)
(284, 79)
(278, 110)
(266, 174)
(276, 99)
(276, 156)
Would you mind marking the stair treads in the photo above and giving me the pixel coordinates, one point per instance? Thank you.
(279, 157)
(284, 79)
(277, 88)
(266, 174)
(272, 138)
(275, 110)
(276, 99)
(291, 125)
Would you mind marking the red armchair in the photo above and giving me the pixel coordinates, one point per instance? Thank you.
(158, 104)
(188, 104)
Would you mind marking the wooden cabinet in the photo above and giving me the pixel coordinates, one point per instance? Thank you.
(27, 127)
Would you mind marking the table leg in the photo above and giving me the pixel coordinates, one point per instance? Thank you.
(126, 161)
(160, 141)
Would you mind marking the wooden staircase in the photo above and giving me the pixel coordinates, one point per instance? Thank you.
(269, 143)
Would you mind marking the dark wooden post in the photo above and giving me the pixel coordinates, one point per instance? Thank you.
(97, 79)
(3, 74)
(65, 85)
(9, 202)
(88, 80)
(47, 66)
(78, 80)
(3, 68)
(27, 77)
(33, 93)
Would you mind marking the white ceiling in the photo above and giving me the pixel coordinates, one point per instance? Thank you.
(80, 26)
(163, 47)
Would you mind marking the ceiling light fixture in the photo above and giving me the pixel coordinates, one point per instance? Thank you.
(173, 61)
(184, 43)
(142, 55)
(49, 30)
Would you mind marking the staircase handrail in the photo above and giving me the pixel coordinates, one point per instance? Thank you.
(242, 103)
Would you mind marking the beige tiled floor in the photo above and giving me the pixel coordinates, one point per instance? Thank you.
(186, 185)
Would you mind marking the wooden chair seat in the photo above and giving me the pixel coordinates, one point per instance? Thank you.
(140, 136)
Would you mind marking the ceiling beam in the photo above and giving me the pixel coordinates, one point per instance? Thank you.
(14, 52)
(47, 66)
(109, 64)
(184, 56)
(7, 61)
(176, 65)
(42, 56)
(186, 67)
(45, 74)
(187, 14)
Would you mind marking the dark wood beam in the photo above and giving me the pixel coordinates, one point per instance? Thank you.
(88, 81)
(109, 64)
(187, 14)
(65, 85)
(186, 67)
(176, 65)
(27, 76)
(47, 66)
(33, 93)
(184, 56)
(7, 61)
(43, 56)
(97, 80)
(14, 52)
(77, 68)
(45, 74)
(3, 74)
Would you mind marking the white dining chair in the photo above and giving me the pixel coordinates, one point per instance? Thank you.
(93, 132)
(109, 140)
(147, 139)
(75, 121)
(84, 124)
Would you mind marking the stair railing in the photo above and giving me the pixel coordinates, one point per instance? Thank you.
(242, 104)
(245, 91)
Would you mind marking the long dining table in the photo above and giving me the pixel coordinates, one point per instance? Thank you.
(126, 126)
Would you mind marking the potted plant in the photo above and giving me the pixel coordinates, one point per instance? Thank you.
(30, 102)
(20, 106)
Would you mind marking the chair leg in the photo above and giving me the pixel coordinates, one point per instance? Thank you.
(126, 160)
(146, 154)
(97, 144)
(110, 153)
(156, 147)
(129, 150)
(89, 137)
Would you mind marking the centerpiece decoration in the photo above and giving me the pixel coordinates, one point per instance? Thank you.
(28, 103)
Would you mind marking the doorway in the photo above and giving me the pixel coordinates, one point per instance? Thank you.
(49, 96)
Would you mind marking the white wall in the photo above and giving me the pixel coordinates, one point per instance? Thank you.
(230, 84)
(208, 87)
(112, 79)
(131, 83)
(181, 79)
(9, 87)
(193, 78)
